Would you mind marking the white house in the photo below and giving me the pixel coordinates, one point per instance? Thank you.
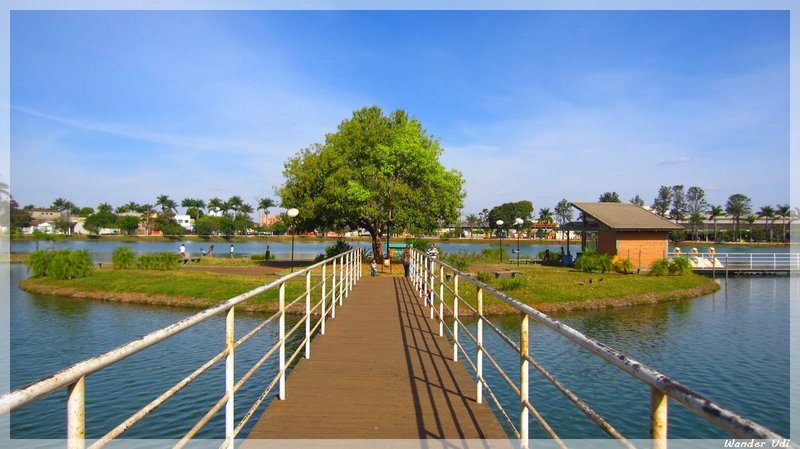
(185, 221)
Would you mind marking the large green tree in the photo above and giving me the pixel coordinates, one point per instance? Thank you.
(738, 205)
(508, 212)
(662, 201)
(377, 172)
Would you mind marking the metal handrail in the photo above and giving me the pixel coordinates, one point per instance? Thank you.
(428, 273)
(74, 377)
(741, 261)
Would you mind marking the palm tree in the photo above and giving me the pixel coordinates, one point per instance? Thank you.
(767, 212)
(713, 213)
(62, 205)
(194, 207)
(784, 212)
(472, 221)
(215, 204)
(234, 203)
(751, 220)
(147, 212)
(167, 204)
(104, 207)
(128, 207)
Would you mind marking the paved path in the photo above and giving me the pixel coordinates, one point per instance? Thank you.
(380, 372)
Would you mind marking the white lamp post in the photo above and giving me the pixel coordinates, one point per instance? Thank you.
(292, 213)
(499, 224)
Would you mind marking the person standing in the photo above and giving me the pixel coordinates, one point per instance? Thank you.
(211, 251)
(182, 251)
(231, 250)
(406, 259)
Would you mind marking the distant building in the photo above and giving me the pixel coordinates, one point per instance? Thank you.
(44, 214)
(624, 230)
(268, 220)
(185, 221)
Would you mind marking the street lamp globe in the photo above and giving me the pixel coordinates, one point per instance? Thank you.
(519, 221)
(292, 212)
(500, 223)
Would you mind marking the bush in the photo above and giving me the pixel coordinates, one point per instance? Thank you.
(258, 257)
(38, 262)
(157, 261)
(492, 252)
(64, 264)
(457, 261)
(484, 277)
(513, 283)
(556, 258)
(624, 266)
(334, 250)
(123, 258)
(677, 266)
(68, 264)
(604, 263)
(682, 265)
(587, 262)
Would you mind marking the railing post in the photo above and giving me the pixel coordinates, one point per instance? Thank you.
(333, 290)
(324, 311)
(341, 280)
(523, 381)
(658, 419)
(346, 277)
(432, 285)
(76, 414)
(282, 339)
(441, 300)
(229, 377)
(479, 361)
(308, 314)
(455, 317)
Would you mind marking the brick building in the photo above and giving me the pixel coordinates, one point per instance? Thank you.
(625, 230)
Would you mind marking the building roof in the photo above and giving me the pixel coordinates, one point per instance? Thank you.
(626, 217)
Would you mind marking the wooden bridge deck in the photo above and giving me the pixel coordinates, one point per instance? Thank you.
(380, 372)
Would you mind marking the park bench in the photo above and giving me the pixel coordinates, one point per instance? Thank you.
(512, 274)
(186, 260)
(525, 260)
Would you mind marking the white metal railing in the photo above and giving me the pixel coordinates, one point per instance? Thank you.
(428, 275)
(754, 262)
(74, 377)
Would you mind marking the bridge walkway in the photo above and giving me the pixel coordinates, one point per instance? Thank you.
(380, 372)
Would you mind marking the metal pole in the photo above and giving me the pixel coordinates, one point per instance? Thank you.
(76, 414)
(229, 378)
(455, 317)
(432, 285)
(333, 290)
(341, 280)
(441, 300)
(308, 314)
(501, 245)
(518, 232)
(324, 310)
(292, 262)
(479, 361)
(347, 270)
(658, 419)
(523, 381)
(282, 339)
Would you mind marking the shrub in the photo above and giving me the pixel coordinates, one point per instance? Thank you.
(258, 257)
(660, 267)
(556, 258)
(157, 261)
(334, 250)
(492, 252)
(38, 262)
(457, 261)
(123, 258)
(604, 263)
(484, 277)
(513, 283)
(682, 265)
(586, 263)
(624, 266)
(64, 264)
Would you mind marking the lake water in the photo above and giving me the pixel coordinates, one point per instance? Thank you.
(307, 250)
(731, 346)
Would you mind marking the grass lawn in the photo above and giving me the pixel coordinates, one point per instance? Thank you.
(553, 289)
(177, 287)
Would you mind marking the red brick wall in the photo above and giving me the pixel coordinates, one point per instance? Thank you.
(653, 246)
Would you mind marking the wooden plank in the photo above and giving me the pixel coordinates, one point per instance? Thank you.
(379, 372)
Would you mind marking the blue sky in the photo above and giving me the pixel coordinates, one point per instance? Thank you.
(123, 106)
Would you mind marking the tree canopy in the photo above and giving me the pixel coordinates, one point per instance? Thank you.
(508, 212)
(374, 172)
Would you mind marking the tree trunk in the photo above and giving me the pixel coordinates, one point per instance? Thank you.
(377, 251)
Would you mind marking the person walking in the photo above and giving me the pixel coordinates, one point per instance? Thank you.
(231, 250)
(406, 259)
(182, 251)
(211, 251)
